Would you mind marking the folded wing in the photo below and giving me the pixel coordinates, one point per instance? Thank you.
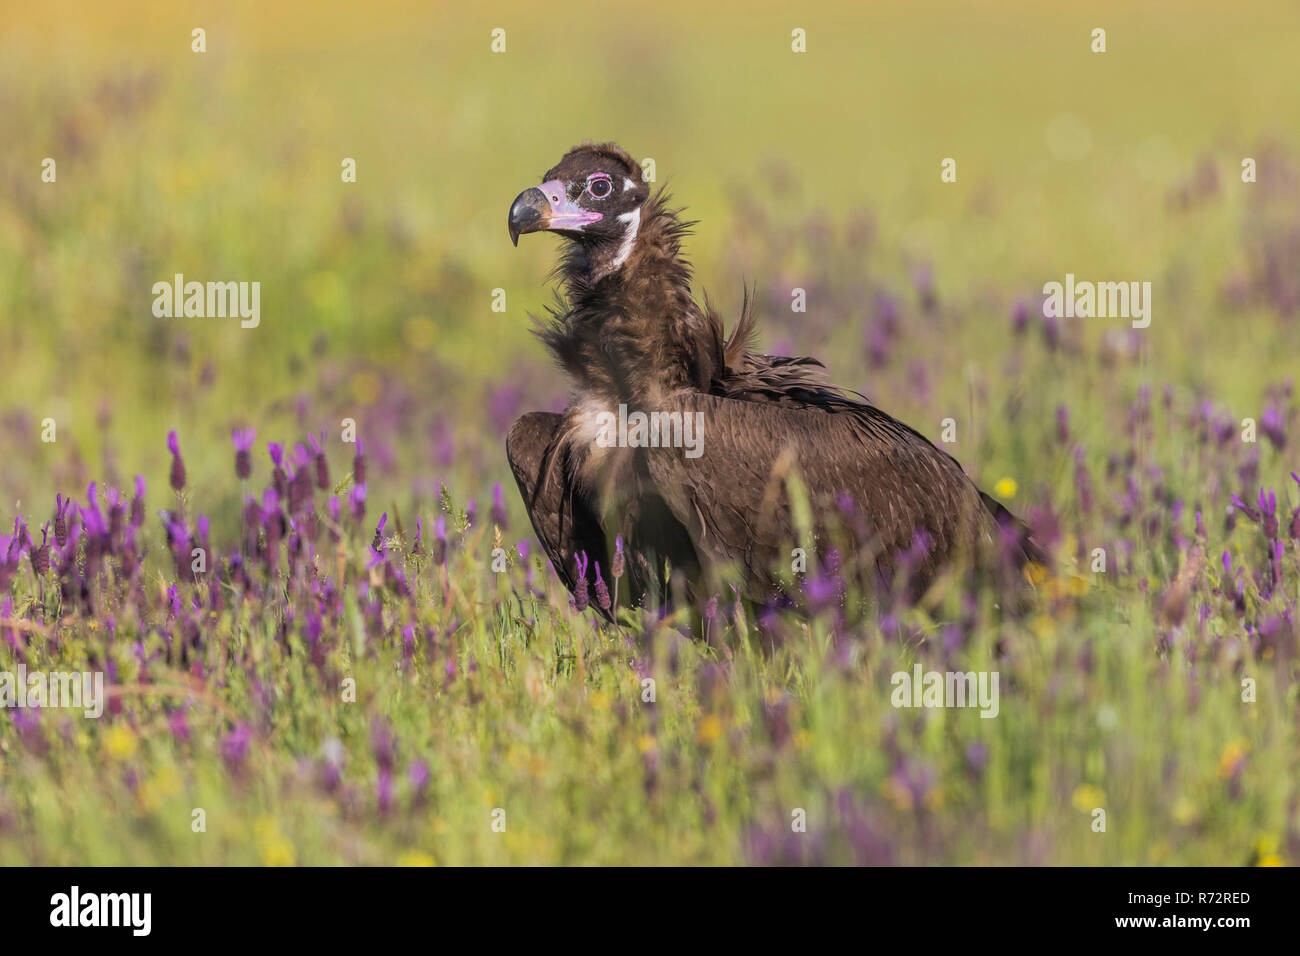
(733, 497)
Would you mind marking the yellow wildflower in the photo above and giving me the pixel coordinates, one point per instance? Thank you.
(1087, 798)
(1232, 758)
(120, 742)
(415, 858)
(274, 849)
(710, 729)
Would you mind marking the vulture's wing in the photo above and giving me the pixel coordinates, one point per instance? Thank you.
(733, 499)
(565, 522)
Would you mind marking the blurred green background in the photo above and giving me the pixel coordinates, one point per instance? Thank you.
(225, 165)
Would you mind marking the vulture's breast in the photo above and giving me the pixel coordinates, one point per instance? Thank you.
(601, 461)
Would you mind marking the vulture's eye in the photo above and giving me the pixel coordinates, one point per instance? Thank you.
(600, 188)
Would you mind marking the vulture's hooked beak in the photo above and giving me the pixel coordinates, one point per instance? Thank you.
(547, 207)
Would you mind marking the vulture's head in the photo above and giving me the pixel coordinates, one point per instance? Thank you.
(593, 196)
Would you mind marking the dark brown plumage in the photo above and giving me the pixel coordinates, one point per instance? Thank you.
(628, 331)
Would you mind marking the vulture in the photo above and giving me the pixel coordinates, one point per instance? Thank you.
(693, 465)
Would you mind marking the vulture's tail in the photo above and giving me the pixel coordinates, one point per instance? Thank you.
(1030, 550)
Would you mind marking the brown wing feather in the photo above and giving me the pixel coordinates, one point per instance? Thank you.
(564, 520)
(900, 482)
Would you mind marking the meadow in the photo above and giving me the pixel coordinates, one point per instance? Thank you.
(346, 678)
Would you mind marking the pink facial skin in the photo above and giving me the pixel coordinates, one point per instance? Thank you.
(564, 214)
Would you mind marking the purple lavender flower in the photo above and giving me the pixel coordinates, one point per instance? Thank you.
(503, 405)
(331, 771)
(61, 507)
(178, 537)
(40, 556)
(498, 513)
(381, 744)
(602, 592)
(115, 512)
(322, 466)
(419, 777)
(1272, 424)
(580, 598)
(359, 464)
(279, 480)
(776, 720)
(887, 312)
(619, 562)
(1265, 514)
(178, 725)
(440, 539)
(977, 756)
(1295, 517)
(28, 722)
(823, 590)
(300, 487)
(1020, 317)
(137, 503)
(178, 466)
(1051, 332)
(334, 510)
(252, 521)
(1269, 509)
(243, 439)
(234, 748)
(272, 520)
